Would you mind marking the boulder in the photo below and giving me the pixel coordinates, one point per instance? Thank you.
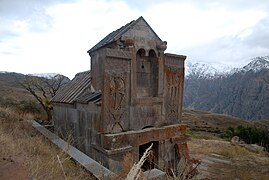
(235, 140)
(254, 148)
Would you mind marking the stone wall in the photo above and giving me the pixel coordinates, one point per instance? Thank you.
(79, 124)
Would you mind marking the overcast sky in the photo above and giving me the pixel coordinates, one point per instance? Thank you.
(45, 36)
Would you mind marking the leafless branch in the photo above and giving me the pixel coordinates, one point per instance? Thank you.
(43, 89)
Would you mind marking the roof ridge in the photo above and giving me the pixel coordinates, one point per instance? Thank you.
(83, 72)
(75, 87)
(109, 38)
(115, 35)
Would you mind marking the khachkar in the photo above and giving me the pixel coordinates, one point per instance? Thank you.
(142, 91)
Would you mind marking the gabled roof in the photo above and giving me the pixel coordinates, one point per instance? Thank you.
(87, 97)
(73, 89)
(115, 35)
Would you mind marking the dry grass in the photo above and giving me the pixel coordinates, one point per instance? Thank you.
(206, 128)
(210, 122)
(245, 164)
(20, 141)
(205, 147)
(136, 171)
(15, 93)
(128, 162)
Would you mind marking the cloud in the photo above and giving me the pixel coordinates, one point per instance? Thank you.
(189, 25)
(259, 36)
(233, 50)
(57, 39)
(54, 35)
(224, 33)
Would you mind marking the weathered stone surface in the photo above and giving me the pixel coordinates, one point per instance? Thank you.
(136, 138)
(141, 91)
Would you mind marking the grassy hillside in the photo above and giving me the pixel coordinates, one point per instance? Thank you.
(26, 153)
(216, 124)
(10, 87)
(262, 123)
(207, 121)
(206, 130)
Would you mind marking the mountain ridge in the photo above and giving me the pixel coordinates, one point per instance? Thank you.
(209, 70)
(243, 92)
(10, 84)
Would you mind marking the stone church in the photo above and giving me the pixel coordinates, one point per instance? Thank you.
(131, 98)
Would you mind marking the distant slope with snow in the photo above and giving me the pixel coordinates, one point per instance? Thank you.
(45, 75)
(242, 92)
(214, 70)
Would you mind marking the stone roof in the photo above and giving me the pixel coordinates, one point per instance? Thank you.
(115, 35)
(73, 89)
(87, 97)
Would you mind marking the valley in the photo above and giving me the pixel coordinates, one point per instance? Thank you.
(241, 92)
(206, 129)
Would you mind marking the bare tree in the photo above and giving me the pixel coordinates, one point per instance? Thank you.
(44, 89)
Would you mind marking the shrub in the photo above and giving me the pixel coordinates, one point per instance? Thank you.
(7, 102)
(21, 106)
(29, 107)
(250, 135)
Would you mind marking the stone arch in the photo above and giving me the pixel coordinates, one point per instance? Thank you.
(142, 73)
(141, 52)
(152, 53)
(146, 73)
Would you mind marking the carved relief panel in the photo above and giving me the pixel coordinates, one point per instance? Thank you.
(116, 96)
(172, 94)
(174, 78)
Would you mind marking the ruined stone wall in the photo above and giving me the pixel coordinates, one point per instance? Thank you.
(79, 125)
(115, 146)
(65, 118)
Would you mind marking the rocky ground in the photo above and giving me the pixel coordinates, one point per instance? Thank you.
(222, 160)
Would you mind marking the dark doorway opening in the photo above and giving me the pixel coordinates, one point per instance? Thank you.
(152, 159)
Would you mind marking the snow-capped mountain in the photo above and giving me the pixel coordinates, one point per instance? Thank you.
(214, 70)
(52, 76)
(206, 70)
(200, 70)
(45, 75)
(241, 92)
(257, 64)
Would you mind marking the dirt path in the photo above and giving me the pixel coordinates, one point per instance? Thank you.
(13, 168)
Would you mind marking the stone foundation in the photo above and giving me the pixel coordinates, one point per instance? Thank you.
(170, 145)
